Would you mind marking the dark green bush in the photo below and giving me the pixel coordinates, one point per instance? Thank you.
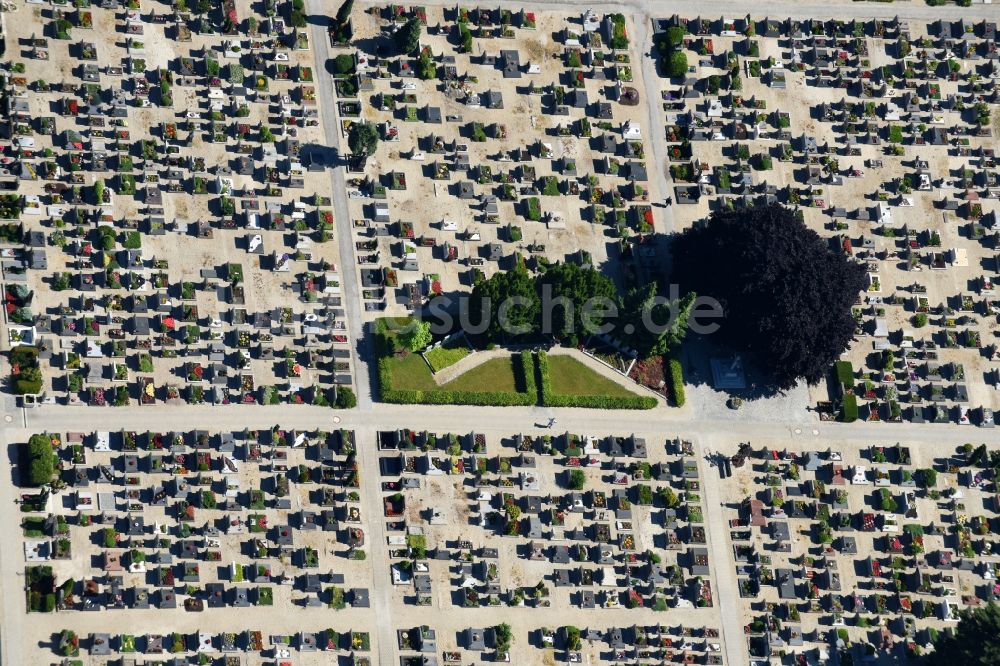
(676, 373)
(849, 410)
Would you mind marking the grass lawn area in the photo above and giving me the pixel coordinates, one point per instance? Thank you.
(497, 374)
(570, 377)
(411, 373)
(443, 357)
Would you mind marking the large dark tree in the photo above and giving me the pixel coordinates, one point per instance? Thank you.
(975, 642)
(785, 294)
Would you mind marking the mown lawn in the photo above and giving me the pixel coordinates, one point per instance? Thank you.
(410, 372)
(570, 377)
(443, 357)
(497, 374)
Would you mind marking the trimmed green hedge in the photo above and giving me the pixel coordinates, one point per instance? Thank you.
(527, 361)
(849, 409)
(550, 399)
(544, 380)
(845, 373)
(676, 373)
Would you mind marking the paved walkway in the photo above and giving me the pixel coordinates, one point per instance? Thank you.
(344, 235)
(724, 583)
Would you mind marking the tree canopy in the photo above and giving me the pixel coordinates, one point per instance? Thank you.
(975, 642)
(362, 140)
(578, 286)
(493, 298)
(786, 296)
(570, 303)
(675, 36)
(341, 29)
(41, 460)
(344, 13)
(640, 309)
(669, 45)
(426, 68)
(504, 637)
(343, 64)
(573, 641)
(676, 64)
(407, 36)
(346, 399)
(415, 336)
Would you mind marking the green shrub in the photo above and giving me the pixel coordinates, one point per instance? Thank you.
(346, 398)
(849, 409)
(676, 372)
(25, 372)
(343, 64)
(676, 64)
(845, 373)
(927, 477)
(533, 209)
(675, 36)
(40, 459)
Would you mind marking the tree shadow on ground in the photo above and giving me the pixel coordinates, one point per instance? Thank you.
(696, 355)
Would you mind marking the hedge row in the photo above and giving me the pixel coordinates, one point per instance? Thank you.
(845, 373)
(550, 399)
(676, 373)
(544, 380)
(601, 401)
(526, 366)
(442, 397)
(480, 398)
(849, 409)
(39, 461)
